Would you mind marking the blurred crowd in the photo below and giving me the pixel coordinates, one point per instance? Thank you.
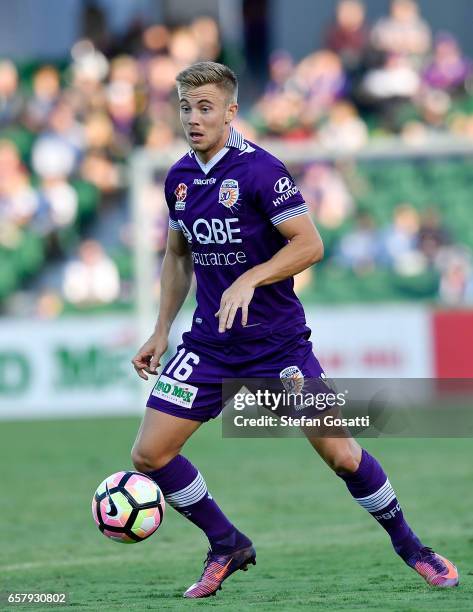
(66, 126)
(390, 76)
(412, 244)
(63, 127)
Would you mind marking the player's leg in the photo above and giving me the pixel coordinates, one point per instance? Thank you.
(156, 453)
(160, 438)
(176, 409)
(363, 475)
(371, 489)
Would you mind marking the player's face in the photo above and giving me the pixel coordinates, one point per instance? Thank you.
(206, 114)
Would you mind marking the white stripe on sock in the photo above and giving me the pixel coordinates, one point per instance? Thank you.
(191, 494)
(187, 500)
(188, 492)
(379, 499)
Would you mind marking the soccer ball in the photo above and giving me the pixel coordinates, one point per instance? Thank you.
(128, 507)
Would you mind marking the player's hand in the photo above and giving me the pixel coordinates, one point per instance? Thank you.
(238, 295)
(147, 359)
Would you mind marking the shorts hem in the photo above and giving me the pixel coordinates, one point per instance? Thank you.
(178, 413)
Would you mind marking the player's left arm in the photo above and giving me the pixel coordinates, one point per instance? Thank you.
(305, 247)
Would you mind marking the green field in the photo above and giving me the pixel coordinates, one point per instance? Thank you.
(316, 548)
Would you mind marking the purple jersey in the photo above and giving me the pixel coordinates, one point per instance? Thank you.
(228, 210)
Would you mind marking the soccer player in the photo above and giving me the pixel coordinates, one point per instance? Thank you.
(238, 220)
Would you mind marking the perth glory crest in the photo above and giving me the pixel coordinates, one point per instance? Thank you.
(229, 193)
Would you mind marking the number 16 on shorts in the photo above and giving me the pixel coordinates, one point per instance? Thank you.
(174, 389)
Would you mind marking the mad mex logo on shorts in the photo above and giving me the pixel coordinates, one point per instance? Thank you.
(181, 194)
(229, 193)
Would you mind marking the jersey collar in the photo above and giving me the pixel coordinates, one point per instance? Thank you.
(206, 168)
(234, 140)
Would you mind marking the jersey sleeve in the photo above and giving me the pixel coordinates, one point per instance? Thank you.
(276, 193)
(171, 202)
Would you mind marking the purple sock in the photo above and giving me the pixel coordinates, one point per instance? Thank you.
(185, 490)
(371, 488)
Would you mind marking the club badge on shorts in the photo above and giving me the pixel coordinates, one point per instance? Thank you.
(292, 379)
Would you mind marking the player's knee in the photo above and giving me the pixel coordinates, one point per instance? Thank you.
(140, 460)
(344, 462)
(147, 462)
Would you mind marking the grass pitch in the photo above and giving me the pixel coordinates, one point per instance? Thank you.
(316, 548)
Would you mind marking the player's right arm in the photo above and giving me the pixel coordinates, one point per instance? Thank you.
(176, 277)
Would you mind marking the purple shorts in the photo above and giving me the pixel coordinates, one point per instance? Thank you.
(190, 385)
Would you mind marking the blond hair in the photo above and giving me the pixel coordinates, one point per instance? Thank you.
(207, 73)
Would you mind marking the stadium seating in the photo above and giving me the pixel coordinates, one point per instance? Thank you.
(444, 185)
(380, 185)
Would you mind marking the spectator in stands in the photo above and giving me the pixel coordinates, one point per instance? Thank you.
(154, 41)
(92, 278)
(433, 235)
(327, 195)
(46, 93)
(430, 117)
(160, 136)
(403, 32)
(89, 70)
(58, 204)
(281, 68)
(52, 156)
(97, 169)
(19, 202)
(53, 162)
(398, 242)
(105, 154)
(358, 249)
(123, 112)
(456, 281)
(395, 79)
(292, 109)
(449, 69)
(344, 131)
(184, 49)
(279, 111)
(161, 74)
(387, 88)
(99, 133)
(434, 107)
(319, 77)
(280, 115)
(207, 36)
(348, 36)
(59, 147)
(11, 99)
(125, 69)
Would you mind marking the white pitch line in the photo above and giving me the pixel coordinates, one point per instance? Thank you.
(62, 563)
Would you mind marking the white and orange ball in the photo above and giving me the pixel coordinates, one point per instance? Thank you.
(128, 507)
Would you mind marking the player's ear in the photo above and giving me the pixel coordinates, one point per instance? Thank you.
(231, 112)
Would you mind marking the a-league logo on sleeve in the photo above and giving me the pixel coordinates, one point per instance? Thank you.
(181, 194)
